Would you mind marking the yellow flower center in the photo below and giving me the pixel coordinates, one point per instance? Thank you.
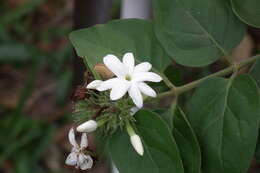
(128, 77)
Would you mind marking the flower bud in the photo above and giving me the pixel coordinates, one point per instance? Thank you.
(103, 71)
(133, 110)
(137, 144)
(88, 126)
(94, 84)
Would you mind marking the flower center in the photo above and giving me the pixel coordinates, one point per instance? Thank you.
(128, 77)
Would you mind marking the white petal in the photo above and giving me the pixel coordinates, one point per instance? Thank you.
(88, 126)
(72, 138)
(74, 150)
(129, 62)
(147, 90)
(137, 144)
(71, 159)
(133, 110)
(146, 76)
(85, 162)
(94, 84)
(119, 90)
(115, 65)
(84, 141)
(108, 84)
(136, 95)
(142, 67)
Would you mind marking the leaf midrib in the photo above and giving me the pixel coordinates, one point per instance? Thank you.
(203, 29)
(116, 53)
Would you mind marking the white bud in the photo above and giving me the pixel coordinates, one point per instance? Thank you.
(88, 126)
(133, 110)
(137, 144)
(94, 84)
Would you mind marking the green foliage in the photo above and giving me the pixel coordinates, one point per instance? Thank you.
(196, 32)
(161, 152)
(187, 143)
(119, 37)
(225, 117)
(113, 115)
(93, 103)
(255, 72)
(257, 152)
(218, 133)
(174, 75)
(248, 11)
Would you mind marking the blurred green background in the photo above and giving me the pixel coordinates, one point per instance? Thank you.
(36, 80)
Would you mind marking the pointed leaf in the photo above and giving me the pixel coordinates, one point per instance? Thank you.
(248, 11)
(161, 154)
(196, 32)
(257, 151)
(225, 117)
(255, 72)
(119, 37)
(187, 143)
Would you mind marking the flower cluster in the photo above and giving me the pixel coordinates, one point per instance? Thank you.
(77, 157)
(128, 79)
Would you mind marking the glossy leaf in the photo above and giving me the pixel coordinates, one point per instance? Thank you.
(187, 143)
(119, 37)
(161, 154)
(248, 11)
(257, 151)
(255, 72)
(225, 117)
(196, 32)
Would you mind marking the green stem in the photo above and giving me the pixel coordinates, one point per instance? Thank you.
(224, 72)
(165, 78)
(168, 82)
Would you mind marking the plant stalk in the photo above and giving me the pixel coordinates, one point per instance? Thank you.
(182, 89)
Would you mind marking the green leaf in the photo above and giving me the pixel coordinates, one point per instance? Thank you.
(196, 32)
(257, 151)
(248, 11)
(175, 75)
(187, 143)
(119, 37)
(225, 117)
(255, 72)
(161, 154)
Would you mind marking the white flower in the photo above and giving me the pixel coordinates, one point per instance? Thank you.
(88, 126)
(129, 78)
(77, 158)
(137, 144)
